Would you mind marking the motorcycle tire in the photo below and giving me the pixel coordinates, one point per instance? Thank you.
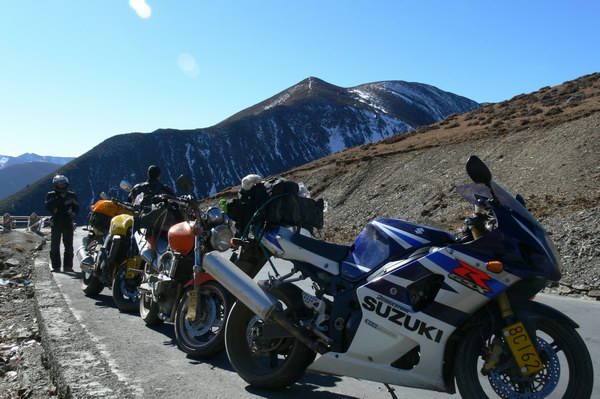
(560, 347)
(123, 291)
(91, 285)
(267, 371)
(205, 336)
(149, 311)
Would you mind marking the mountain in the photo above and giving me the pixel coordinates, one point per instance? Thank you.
(16, 177)
(6, 160)
(544, 145)
(310, 120)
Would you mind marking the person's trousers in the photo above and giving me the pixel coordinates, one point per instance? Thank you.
(66, 231)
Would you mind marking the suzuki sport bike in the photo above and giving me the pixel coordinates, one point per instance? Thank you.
(175, 290)
(410, 305)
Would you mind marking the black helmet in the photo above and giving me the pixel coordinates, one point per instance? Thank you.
(153, 172)
(60, 182)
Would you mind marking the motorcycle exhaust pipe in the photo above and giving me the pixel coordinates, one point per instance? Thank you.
(86, 261)
(250, 294)
(239, 284)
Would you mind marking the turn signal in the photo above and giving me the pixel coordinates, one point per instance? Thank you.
(494, 266)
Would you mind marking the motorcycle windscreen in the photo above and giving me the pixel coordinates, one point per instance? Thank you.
(384, 240)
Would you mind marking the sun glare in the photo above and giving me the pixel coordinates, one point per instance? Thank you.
(142, 9)
(187, 63)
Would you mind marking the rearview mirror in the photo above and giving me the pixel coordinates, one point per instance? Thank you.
(126, 186)
(478, 171)
(184, 184)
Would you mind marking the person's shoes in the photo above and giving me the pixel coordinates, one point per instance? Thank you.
(67, 269)
(56, 270)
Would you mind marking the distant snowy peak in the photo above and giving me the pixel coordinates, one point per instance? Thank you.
(6, 160)
(435, 102)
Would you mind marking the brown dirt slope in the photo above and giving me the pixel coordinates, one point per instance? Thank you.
(544, 145)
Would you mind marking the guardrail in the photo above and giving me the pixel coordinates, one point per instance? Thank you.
(32, 222)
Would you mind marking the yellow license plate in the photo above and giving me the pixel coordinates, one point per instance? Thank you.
(523, 349)
(192, 301)
(132, 263)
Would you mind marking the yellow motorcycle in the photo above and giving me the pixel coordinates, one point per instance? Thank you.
(109, 256)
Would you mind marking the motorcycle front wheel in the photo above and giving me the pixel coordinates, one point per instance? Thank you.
(90, 284)
(204, 336)
(265, 362)
(568, 371)
(125, 290)
(149, 311)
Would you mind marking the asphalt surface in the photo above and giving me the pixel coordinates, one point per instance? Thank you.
(150, 363)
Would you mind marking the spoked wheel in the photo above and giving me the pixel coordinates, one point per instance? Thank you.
(268, 363)
(567, 373)
(125, 290)
(204, 336)
(149, 310)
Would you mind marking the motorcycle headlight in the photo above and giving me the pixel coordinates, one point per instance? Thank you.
(220, 238)
(214, 215)
(166, 263)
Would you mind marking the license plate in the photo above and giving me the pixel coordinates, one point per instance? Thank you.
(192, 301)
(523, 349)
(132, 263)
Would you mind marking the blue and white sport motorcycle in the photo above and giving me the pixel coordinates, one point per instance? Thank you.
(413, 306)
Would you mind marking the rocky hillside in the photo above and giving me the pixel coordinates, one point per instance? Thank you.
(310, 120)
(544, 145)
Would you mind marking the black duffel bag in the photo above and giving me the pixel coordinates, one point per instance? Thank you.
(276, 201)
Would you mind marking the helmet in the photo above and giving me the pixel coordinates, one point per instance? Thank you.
(60, 182)
(153, 172)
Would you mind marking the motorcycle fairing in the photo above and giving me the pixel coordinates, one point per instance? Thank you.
(383, 240)
(519, 240)
(390, 328)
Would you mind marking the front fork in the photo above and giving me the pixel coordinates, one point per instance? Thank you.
(192, 308)
(522, 347)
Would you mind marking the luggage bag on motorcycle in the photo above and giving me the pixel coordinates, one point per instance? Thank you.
(276, 201)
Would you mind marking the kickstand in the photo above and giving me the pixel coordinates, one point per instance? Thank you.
(391, 391)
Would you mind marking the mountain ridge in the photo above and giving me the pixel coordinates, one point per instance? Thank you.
(261, 139)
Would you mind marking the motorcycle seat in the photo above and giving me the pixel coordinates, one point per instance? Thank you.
(334, 252)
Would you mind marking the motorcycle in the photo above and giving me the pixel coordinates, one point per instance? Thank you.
(109, 256)
(175, 290)
(414, 306)
(100, 228)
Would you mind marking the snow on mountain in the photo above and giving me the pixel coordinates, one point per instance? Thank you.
(6, 160)
(307, 121)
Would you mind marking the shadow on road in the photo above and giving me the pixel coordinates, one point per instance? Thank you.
(307, 385)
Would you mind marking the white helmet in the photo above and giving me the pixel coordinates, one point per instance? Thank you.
(60, 180)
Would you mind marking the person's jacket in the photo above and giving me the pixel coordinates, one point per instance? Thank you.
(63, 210)
(150, 188)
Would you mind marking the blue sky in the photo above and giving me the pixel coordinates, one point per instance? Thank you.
(73, 73)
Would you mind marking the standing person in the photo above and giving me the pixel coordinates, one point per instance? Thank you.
(63, 207)
(152, 186)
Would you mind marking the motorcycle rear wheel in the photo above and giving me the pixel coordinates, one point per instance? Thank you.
(149, 311)
(205, 336)
(267, 363)
(125, 291)
(561, 349)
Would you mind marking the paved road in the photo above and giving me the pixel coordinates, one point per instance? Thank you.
(149, 360)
